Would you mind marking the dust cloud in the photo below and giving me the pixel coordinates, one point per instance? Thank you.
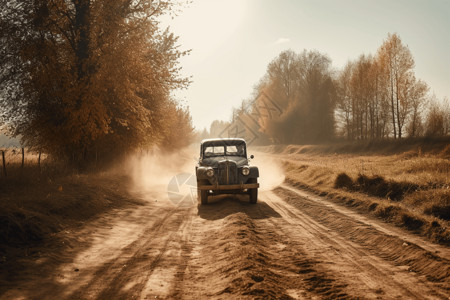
(271, 173)
(152, 171)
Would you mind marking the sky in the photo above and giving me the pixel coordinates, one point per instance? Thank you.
(233, 41)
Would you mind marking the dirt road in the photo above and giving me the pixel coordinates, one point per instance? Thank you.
(290, 245)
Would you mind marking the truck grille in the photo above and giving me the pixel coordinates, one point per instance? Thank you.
(227, 172)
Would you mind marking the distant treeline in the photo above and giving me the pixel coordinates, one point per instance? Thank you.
(301, 99)
(86, 80)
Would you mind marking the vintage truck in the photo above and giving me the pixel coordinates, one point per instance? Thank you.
(223, 168)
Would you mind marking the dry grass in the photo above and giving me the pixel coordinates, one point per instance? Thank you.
(37, 203)
(408, 185)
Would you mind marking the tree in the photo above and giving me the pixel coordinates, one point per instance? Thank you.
(437, 120)
(361, 90)
(399, 63)
(344, 99)
(283, 70)
(300, 86)
(361, 99)
(88, 76)
(178, 131)
(416, 93)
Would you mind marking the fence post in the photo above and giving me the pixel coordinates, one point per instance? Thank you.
(4, 163)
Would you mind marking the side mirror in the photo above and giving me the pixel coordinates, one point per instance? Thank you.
(252, 156)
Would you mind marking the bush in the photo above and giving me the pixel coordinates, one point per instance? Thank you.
(377, 186)
(387, 212)
(439, 211)
(343, 181)
(411, 222)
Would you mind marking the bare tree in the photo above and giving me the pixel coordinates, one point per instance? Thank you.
(416, 94)
(437, 120)
(399, 64)
(344, 99)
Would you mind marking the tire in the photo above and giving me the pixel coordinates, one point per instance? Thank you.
(253, 193)
(202, 196)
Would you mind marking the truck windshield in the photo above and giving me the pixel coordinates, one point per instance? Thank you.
(236, 150)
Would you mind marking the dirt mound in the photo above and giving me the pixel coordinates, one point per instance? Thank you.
(412, 194)
(379, 187)
(376, 186)
(250, 261)
(239, 252)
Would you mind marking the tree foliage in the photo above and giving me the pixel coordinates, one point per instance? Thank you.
(299, 89)
(379, 96)
(87, 77)
(438, 119)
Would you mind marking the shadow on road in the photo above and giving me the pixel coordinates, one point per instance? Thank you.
(222, 206)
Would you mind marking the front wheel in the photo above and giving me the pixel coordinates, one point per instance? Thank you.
(204, 197)
(253, 193)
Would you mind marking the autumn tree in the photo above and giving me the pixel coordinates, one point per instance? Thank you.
(84, 76)
(361, 88)
(344, 103)
(399, 65)
(361, 99)
(372, 90)
(301, 88)
(177, 130)
(416, 95)
(438, 119)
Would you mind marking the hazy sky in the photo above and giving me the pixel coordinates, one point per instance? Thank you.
(233, 41)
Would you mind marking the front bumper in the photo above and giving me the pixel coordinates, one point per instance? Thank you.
(221, 187)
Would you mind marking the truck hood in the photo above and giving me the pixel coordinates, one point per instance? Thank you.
(214, 161)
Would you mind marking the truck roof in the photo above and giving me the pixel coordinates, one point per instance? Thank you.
(222, 141)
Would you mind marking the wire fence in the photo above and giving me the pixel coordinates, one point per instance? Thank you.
(13, 156)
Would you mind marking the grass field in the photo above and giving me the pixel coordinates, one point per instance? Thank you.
(406, 183)
(38, 202)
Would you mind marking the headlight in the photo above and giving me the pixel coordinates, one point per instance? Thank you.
(210, 172)
(245, 171)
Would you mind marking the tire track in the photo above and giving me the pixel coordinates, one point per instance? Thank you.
(366, 272)
(125, 275)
